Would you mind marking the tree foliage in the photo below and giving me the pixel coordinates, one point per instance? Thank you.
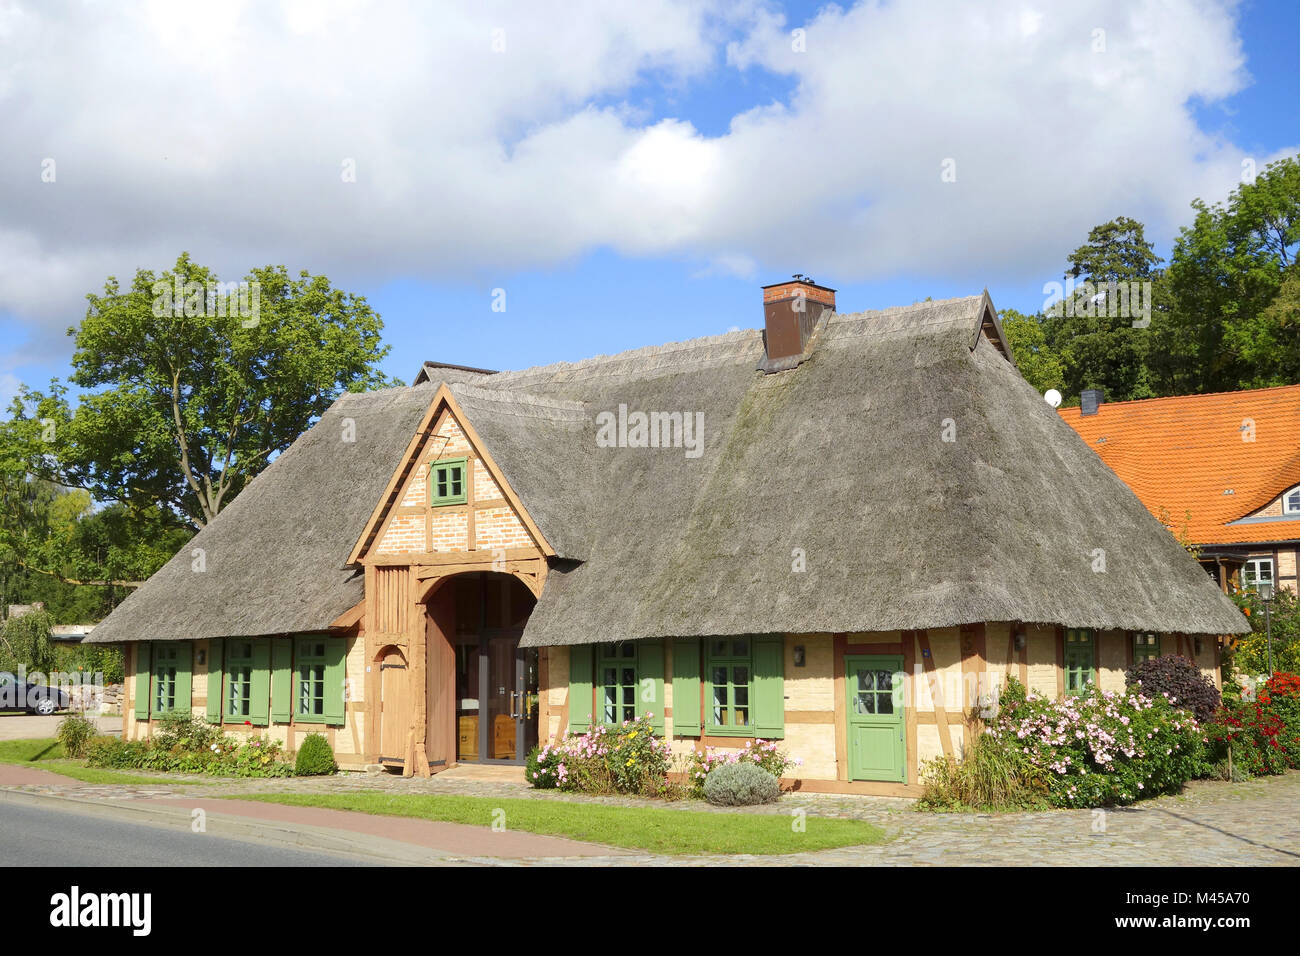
(187, 397)
(1224, 313)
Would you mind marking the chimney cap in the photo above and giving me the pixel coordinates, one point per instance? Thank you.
(798, 279)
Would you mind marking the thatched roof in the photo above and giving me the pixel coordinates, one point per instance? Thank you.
(842, 458)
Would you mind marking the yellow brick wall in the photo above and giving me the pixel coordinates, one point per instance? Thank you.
(348, 740)
(1040, 647)
(1112, 659)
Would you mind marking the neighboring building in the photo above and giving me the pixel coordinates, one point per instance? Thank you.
(1222, 470)
(839, 532)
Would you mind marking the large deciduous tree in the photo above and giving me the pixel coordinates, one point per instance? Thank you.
(191, 386)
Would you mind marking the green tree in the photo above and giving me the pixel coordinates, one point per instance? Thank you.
(1232, 291)
(1038, 362)
(1099, 328)
(192, 386)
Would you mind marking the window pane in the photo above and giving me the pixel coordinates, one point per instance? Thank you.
(864, 703)
(740, 676)
(740, 647)
(884, 680)
(884, 703)
(718, 648)
(866, 680)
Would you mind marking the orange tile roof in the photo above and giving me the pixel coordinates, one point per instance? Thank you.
(1186, 454)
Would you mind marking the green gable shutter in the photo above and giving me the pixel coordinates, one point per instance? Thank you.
(335, 674)
(216, 673)
(581, 670)
(184, 668)
(769, 686)
(281, 679)
(650, 682)
(143, 673)
(259, 707)
(686, 687)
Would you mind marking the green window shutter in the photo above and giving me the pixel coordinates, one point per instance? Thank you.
(184, 664)
(281, 679)
(143, 673)
(215, 674)
(580, 688)
(259, 705)
(686, 687)
(335, 674)
(769, 687)
(650, 682)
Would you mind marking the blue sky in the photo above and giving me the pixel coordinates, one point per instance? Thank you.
(630, 185)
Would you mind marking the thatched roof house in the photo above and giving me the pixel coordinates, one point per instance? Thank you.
(836, 493)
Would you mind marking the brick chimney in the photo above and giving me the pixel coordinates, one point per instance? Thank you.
(791, 311)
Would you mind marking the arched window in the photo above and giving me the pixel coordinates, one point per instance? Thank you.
(1291, 502)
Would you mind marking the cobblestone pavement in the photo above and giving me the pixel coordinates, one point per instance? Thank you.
(1209, 824)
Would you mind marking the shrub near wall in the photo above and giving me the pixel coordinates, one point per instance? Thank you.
(1178, 679)
(1261, 736)
(186, 745)
(627, 759)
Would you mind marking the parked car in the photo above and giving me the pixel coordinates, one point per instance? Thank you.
(30, 698)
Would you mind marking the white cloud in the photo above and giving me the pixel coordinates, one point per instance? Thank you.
(223, 129)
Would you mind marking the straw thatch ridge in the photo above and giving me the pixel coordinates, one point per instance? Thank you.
(842, 460)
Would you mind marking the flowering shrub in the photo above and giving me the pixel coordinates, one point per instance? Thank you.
(626, 759)
(764, 754)
(217, 755)
(1260, 736)
(1104, 748)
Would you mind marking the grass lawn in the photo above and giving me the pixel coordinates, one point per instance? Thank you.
(47, 754)
(658, 831)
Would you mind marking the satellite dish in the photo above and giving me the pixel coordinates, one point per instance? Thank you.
(1052, 397)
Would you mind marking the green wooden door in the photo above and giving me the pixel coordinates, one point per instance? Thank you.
(875, 718)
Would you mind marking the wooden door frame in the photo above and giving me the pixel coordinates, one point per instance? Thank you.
(898, 663)
(378, 661)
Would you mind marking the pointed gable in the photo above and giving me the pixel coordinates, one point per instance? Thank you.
(479, 511)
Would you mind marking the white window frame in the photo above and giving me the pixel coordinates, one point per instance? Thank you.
(1250, 572)
(1288, 508)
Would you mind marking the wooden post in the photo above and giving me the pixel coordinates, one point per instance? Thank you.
(419, 677)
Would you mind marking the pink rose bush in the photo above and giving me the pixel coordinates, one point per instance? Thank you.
(1101, 748)
(624, 759)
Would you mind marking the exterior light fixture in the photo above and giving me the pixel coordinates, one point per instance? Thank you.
(1265, 591)
(798, 655)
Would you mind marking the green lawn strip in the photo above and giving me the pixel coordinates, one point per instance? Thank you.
(674, 832)
(47, 754)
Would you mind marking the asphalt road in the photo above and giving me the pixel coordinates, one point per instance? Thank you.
(30, 836)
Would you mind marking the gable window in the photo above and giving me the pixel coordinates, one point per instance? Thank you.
(730, 670)
(616, 672)
(239, 679)
(447, 481)
(1291, 502)
(311, 679)
(1256, 571)
(1145, 647)
(1080, 661)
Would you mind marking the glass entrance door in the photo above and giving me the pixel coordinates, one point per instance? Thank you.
(497, 698)
(496, 679)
